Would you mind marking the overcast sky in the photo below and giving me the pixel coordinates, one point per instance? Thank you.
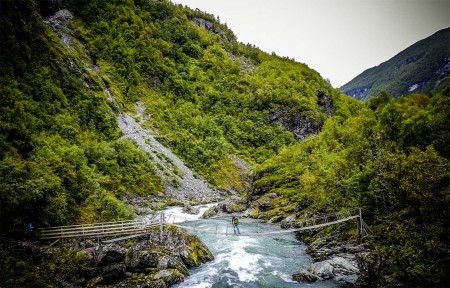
(337, 38)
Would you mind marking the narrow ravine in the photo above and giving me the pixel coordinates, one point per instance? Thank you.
(244, 261)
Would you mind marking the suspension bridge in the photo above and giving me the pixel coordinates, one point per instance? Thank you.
(128, 229)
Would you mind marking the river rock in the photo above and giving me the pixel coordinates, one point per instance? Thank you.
(304, 276)
(343, 266)
(234, 204)
(111, 261)
(142, 260)
(322, 269)
(169, 276)
(230, 205)
(213, 211)
(173, 262)
(190, 210)
(288, 222)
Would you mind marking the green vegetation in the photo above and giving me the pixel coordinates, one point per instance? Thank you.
(392, 159)
(213, 101)
(61, 161)
(420, 68)
(198, 86)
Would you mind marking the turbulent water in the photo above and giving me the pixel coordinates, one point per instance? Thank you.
(245, 261)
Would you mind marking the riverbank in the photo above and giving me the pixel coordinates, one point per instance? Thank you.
(337, 253)
(144, 261)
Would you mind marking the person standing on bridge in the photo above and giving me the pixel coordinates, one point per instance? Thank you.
(235, 223)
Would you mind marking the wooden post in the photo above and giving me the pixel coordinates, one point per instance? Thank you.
(360, 224)
(161, 227)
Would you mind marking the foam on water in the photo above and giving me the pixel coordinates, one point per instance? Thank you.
(175, 214)
(244, 264)
(245, 261)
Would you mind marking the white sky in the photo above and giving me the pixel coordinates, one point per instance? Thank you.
(338, 38)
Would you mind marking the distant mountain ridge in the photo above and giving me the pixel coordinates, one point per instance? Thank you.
(420, 68)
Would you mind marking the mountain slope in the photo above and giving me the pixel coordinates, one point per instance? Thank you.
(216, 103)
(420, 68)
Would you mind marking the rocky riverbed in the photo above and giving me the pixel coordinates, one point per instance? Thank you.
(336, 256)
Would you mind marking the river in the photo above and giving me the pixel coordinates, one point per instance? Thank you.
(245, 261)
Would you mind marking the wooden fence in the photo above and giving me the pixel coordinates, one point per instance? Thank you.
(96, 230)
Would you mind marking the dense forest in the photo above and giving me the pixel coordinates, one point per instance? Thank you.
(211, 100)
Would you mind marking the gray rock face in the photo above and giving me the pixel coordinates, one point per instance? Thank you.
(337, 261)
(230, 205)
(322, 269)
(190, 210)
(60, 22)
(147, 263)
(211, 27)
(179, 181)
(295, 121)
(111, 261)
(305, 276)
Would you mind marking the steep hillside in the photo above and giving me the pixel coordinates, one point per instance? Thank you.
(219, 105)
(392, 159)
(420, 68)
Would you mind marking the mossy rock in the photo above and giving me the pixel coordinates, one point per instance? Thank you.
(174, 263)
(196, 254)
(143, 280)
(254, 213)
(169, 276)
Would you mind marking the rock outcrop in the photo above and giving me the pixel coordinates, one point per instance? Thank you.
(336, 260)
(141, 262)
(299, 124)
(234, 204)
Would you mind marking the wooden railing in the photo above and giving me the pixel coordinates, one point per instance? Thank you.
(97, 230)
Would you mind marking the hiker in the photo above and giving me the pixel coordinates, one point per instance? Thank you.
(235, 223)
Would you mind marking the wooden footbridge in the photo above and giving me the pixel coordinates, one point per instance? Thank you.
(128, 229)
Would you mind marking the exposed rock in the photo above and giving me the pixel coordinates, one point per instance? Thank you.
(337, 259)
(179, 181)
(359, 93)
(211, 212)
(190, 210)
(169, 276)
(322, 269)
(142, 260)
(301, 126)
(305, 276)
(60, 22)
(288, 222)
(231, 205)
(212, 27)
(111, 261)
(325, 102)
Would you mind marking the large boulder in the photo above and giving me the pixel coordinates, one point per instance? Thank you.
(322, 269)
(190, 210)
(111, 261)
(142, 260)
(343, 266)
(211, 212)
(195, 254)
(305, 276)
(169, 276)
